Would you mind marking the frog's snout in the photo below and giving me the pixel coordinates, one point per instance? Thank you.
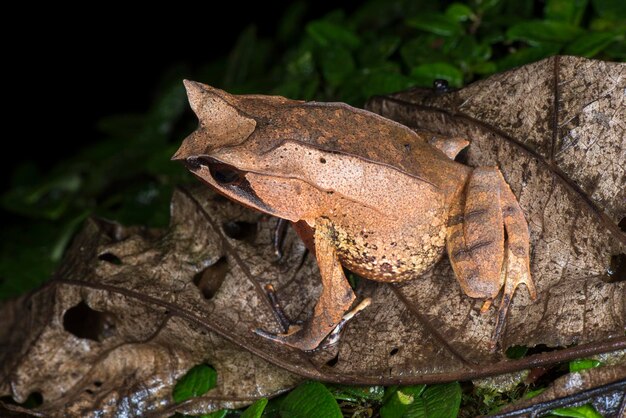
(180, 154)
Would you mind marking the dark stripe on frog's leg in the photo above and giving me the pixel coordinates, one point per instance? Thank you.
(467, 252)
(476, 245)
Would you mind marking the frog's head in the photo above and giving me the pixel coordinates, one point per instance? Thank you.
(224, 151)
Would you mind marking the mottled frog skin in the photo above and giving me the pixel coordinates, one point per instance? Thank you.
(364, 192)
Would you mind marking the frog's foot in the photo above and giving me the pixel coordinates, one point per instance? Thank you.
(302, 337)
(517, 272)
(335, 335)
(483, 261)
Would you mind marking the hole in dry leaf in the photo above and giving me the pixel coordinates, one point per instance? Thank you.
(516, 352)
(34, 400)
(240, 230)
(110, 258)
(84, 322)
(333, 361)
(394, 351)
(97, 383)
(211, 278)
(622, 224)
(541, 348)
(617, 270)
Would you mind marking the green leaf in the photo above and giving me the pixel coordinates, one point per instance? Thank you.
(583, 364)
(459, 12)
(291, 21)
(398, 400)
(272, 409)
(602, 24)
(222, 413)
(569, 11)
(484, 68)
(196, 382)
(26, 255)
(534, 393)
(437, 401)
(327, 33)
(378, 50)
(466, 50)
(425, 74)
(310, 399)
(616, 51)
(303, 88)
(50, 199)
(437, 23)
(592, 43)
(383, 81)
(255, 410)
(611, 9)
(247, 62)
(66, 233)
(421, 50)
(536, 32)
(487, 5)
(527, 55)
(301, 63)
(356, 393)
(583, 411)
(141, 203)
(337, 65)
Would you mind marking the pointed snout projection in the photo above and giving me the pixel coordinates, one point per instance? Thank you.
(221, 122)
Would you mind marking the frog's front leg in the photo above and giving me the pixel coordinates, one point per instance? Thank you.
(336, 298)
(483, 261)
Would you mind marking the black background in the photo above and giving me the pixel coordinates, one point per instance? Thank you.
(64, 73)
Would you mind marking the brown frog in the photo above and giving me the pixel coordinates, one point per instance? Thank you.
(364, 192)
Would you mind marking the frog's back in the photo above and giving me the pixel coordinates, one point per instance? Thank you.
(339, 128)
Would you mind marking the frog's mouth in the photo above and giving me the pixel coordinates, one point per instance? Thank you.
(227, 180)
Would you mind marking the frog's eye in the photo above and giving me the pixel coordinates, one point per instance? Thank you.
(225, 174)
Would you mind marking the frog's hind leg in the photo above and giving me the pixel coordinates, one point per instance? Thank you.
(482, 261)
(329, 315)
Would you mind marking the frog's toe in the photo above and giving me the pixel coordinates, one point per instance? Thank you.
(333, 337)
(308, 338)
(517, 272)
(296, 337)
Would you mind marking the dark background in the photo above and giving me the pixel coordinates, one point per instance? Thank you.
(73, 71)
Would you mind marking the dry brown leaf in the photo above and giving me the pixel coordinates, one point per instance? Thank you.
(422, 331)
(124, 320)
